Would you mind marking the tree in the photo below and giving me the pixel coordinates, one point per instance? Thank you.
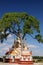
(19, 23)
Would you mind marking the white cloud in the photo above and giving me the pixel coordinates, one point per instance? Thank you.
(30, 45)
(5, 47)
(2, 44)
(10, 39)
(33, 46)
(6, 44)
(37, 52)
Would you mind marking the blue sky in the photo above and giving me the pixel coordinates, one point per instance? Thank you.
(32, 7)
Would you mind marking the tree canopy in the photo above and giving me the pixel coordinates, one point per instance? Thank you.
(19, 23)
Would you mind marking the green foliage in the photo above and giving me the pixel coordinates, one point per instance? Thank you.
(37, 58)
(12, 22)
(39, 38)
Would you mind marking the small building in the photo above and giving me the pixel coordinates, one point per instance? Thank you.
(19, 55)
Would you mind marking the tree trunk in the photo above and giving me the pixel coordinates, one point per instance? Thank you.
(20, 37)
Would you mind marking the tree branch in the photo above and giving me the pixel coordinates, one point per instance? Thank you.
(23, 36)
(31, 36)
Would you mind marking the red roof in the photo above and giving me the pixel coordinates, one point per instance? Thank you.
(8, 52)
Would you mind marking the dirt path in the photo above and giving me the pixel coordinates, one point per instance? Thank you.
(18, 64)
(38, 63)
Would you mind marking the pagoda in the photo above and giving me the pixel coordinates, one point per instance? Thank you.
(19, 53)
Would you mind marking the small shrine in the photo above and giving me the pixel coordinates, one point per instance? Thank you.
(19, 53)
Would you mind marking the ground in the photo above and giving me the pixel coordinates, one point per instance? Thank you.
(18, 64)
